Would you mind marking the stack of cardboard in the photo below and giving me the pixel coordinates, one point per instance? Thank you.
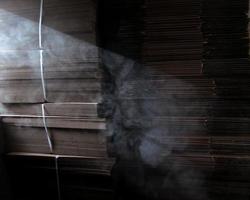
(70, 55)
(62, 72)
(75, 129)
(182, 108)
(50, 86)
(168, 98)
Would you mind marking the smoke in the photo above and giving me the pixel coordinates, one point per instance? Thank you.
(152, 149)
(147, 126)
(17, 33)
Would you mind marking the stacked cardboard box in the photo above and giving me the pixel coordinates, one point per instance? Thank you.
(50, 88)
(182, 106)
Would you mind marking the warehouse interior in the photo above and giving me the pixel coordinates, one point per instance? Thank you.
(124, 99)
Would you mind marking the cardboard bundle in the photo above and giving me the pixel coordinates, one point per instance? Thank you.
(182, 108)
(50, 77)
(50, 88)
(165, 103)
(75, 128)
(42, 51)
(172, 31)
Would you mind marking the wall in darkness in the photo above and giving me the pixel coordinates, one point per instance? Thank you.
(4, 184)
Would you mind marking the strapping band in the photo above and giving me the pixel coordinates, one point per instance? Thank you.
(45, 99)
(41, 51)
(40, 24)
(46, 129)
(42, 76)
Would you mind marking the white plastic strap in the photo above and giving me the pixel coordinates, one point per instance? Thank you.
(40, 25)
(41, 51)
(46, 129)
(58, 178)
(42, 76)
